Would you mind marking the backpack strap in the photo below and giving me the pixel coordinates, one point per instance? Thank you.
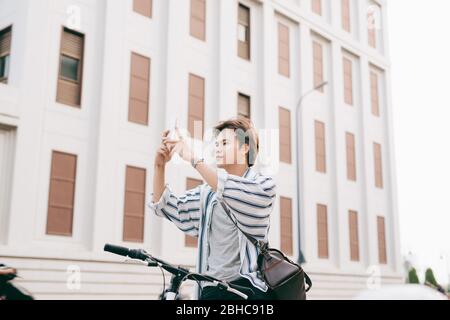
(261, 245)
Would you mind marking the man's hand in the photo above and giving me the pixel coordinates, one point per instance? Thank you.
(181, 147)
(163, 154)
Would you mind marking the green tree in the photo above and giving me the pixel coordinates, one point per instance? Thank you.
(412, 276)
(429, 277)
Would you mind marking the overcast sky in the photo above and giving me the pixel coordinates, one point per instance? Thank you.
(420, 55)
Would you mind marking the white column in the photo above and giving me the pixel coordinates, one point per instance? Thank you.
(32, 31)
(227, 97)
(104, 227)
(369, 221)
(337, 174)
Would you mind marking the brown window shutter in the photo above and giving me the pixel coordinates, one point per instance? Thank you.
(198, 19)
(351, 156)
(382, 254)
(322, 231)
(348, 81)
(354, 237)
(285, 135)
(72, 49)
(191, 184)
(345, 15)
(196, 106)
(143, 7)
(374, 94)
(321, 160)
(138, 104)
(244, 32)
(244, 106)
(318, 65)
(5, 51)
(61, 194)
(378, 165)
(286, 226)
(133, 223)
(283, 50)
(316, 6)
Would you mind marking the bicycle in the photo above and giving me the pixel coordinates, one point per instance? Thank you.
(179, 274)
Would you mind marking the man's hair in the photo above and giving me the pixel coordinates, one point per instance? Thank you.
(245, 133)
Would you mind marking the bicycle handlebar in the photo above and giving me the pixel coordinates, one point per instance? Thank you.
(179, 271)
(132, 253)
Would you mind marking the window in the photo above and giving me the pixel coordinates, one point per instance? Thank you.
(322, 231)
(7, 146)
(351, 156)
(318, 64)
(286, 226)
(4, 68)
(381, 228)
(244, 34)
(196, 106)
(190, 241)
(353, 233)
(316, 6)
(348, 81)
(285, 135)
(198, 19)
(374, 94)
(5, 49)
(244, 106)
(345, 15)
(143, 7)
(134, 206)
(378, 163)
(138, 104)
(70, 68)
(61, 194)
(283, 50)
(321, 162)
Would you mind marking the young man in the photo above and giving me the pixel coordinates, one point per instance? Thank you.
(223, 251)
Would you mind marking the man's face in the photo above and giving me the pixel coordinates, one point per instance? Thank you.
(227, 149)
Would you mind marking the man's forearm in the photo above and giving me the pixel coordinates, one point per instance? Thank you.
(158, 182)
(209, 174)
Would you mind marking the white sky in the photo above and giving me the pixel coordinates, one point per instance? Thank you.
(420, 55)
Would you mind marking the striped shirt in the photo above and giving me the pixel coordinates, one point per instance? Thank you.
(250, 198)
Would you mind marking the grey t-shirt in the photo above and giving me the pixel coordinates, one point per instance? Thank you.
(223, 261)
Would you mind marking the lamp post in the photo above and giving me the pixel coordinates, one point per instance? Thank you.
(301, 258)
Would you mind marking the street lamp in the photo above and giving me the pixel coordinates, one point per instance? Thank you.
(301, 258)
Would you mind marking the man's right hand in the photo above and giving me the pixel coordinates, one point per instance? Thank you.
(163, 152)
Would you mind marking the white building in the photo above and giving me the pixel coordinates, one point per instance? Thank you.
(88, 87)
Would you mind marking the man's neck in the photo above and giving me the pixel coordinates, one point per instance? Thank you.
(236, 169)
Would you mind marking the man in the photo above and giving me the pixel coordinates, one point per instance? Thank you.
(224, 252)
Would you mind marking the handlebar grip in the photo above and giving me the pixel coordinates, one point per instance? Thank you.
(237, 292)
(121, 251)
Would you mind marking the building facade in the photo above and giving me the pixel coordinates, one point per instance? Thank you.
(87, 87)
